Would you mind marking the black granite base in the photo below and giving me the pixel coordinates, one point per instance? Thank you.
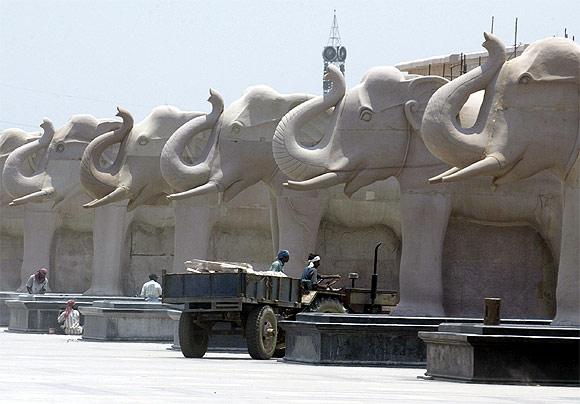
(362, 339)
(39, 313)
(504, 354)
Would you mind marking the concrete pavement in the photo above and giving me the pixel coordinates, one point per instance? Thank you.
(41, 368)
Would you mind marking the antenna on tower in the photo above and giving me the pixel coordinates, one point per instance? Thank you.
(334, 36)
(492, 18)
(333, 53)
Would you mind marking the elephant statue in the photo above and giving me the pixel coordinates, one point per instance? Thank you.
(375, 135)
(529, 122)
(134, 179)
(237, 156)
(11, 224)
(47, 185)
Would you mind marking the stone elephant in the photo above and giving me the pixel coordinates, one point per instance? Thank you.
(132, 180)
(374, 135)
(11, 220)
(48, 185)
(529, 122)
(237, 156)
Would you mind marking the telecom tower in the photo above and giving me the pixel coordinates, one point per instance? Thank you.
(333, 53)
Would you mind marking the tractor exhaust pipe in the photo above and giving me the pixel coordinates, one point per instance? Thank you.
(375, 277)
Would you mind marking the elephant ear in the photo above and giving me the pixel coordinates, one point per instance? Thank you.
(421, 89)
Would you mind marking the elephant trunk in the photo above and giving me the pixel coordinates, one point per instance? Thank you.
(175, 171)
(296, 161)
(16, 183)
(97, 180)
(441, 130)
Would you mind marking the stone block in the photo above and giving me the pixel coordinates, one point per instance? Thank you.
(360, 339)
(127, 321)
(521, 354)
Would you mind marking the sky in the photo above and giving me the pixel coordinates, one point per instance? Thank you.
(59, 58)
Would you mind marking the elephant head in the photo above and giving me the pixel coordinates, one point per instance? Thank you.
(56, 155)
(370, 134)
(239, 150)
(10, 140)
(135, 174)
(528, 121)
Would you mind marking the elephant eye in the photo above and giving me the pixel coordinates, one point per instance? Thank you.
(60, 147)
(236, 127)
(142, 140)
(524, 78)
(366, 114)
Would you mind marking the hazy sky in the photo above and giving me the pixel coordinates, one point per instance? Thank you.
(63, 57)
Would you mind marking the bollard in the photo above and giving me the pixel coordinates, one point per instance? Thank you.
(492, 308)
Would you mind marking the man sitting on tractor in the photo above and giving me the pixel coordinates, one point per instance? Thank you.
(282, 258)
(310, 274)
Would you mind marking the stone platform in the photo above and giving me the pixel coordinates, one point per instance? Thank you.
(117, 320)
(4, 310)
(363, 339)
(507, 353)
(39, 313)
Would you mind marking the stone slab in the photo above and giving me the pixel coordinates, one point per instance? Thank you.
(504, 354)
(128, 321)
(361, 339)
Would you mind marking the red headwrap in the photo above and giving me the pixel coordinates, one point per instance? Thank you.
(40, 275)
(69, 308)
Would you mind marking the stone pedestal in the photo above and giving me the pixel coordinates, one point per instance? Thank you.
(128, 321)
(360, 339)
(4, 309)
(38, 313)
(522, 354)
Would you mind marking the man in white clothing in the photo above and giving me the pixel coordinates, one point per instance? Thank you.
(151, 290)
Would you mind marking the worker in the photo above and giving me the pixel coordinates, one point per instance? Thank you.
(151, 290)
(282, 258)
(310, 274)
(70, 319)
(38, 282)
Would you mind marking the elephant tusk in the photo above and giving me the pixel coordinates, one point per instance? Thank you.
(33, 197)
(202, 190)
(321, 181)
(487, 166)
(439, 178)
(118, 194)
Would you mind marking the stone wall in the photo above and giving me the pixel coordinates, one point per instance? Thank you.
(510, 262)
(11, 248)
(71, 267)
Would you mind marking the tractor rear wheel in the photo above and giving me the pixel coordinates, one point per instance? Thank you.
(327, 305)
(261, 332)
(193, 339)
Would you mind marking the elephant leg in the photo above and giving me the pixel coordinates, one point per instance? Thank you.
(40, 223)
(568, 287)
(298, 221)
(424, 219)
(193, 225)
(109, 232)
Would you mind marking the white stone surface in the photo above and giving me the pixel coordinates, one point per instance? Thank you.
(59, 368)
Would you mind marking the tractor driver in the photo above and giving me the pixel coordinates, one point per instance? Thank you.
(310, 274)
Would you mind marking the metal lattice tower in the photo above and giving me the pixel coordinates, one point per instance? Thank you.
(333, 53)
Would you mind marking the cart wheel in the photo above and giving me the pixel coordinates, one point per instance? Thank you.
(328, 305)
(192, 338)
(261, 332)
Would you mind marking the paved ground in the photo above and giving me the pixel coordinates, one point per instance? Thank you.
(57, 368)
